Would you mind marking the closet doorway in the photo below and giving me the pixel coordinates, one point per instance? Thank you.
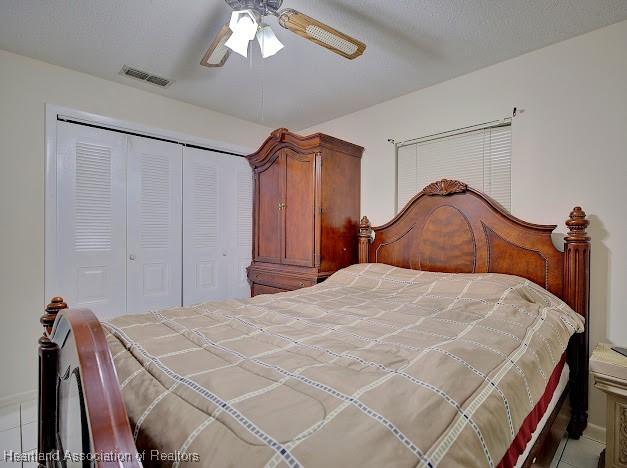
(145, 224)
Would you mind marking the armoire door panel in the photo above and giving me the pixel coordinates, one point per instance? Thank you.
(269, 214)
(299, 209)
(91, 233)
(154, 217)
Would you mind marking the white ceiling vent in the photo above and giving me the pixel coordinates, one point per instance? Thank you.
(145, 76)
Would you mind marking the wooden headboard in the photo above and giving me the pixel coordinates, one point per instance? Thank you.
(450, 227)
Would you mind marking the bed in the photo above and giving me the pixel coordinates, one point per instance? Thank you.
(455, 341)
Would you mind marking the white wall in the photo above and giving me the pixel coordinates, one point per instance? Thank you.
(25, 87)
(569, 148)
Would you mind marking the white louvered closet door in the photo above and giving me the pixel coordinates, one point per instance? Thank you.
(154, 217)
(142, 226)
(217, 226)
(239, 205)
(204, 228)
(91, 218)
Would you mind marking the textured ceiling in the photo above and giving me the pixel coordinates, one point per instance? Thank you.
(411, 44)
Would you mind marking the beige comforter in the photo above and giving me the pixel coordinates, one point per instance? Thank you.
(377, 366)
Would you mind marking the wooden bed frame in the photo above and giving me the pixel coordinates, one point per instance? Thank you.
(450, 227)
(447, 227)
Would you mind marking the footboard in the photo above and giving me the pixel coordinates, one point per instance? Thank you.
(82, 418)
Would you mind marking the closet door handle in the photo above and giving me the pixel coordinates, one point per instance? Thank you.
(132, 257)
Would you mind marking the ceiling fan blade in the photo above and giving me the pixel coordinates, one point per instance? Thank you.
(321, 34)
(217, 53)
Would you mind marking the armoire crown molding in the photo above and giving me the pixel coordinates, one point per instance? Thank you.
(283, 138)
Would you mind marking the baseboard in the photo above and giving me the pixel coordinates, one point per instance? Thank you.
(595, 432)
(18, 398)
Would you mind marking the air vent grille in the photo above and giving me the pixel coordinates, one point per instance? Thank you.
(145, 76)
(133, 73)
(158, 80)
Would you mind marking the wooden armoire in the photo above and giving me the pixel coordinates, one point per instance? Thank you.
(305, 210)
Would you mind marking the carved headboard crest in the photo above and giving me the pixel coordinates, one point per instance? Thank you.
(445, 187)
(451, 227)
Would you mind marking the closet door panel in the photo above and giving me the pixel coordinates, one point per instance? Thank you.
(154, 217)
(91, 228)
(205, 227)
(300, 189)
(269, 229)
(240, 198)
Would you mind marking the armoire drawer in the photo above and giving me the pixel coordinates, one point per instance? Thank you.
(259, 289)
(278, 280)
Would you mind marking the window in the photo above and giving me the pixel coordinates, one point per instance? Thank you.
(480, 157)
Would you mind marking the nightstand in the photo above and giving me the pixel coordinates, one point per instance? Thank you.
(610, 376)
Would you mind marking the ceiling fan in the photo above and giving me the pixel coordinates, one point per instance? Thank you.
(247, 24)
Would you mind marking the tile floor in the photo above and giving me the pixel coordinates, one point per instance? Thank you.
(582, 453)
(18, 432)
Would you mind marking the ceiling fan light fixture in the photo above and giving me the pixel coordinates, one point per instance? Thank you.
(244, 22)
(238, 44)
(244, 26)
(268, 42)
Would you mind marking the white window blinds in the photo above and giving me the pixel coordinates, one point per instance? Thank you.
(481, 158)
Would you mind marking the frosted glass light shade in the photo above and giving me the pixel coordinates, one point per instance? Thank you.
(244, 26)
(268, 41)
(244, 22)
(238, 43)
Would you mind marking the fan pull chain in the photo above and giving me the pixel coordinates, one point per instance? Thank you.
(262, 96)
(261, 83)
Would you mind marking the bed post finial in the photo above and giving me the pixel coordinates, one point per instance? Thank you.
(48, 362)
(577, 225)
(577, 296)
(52, 309)
(364, 238)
